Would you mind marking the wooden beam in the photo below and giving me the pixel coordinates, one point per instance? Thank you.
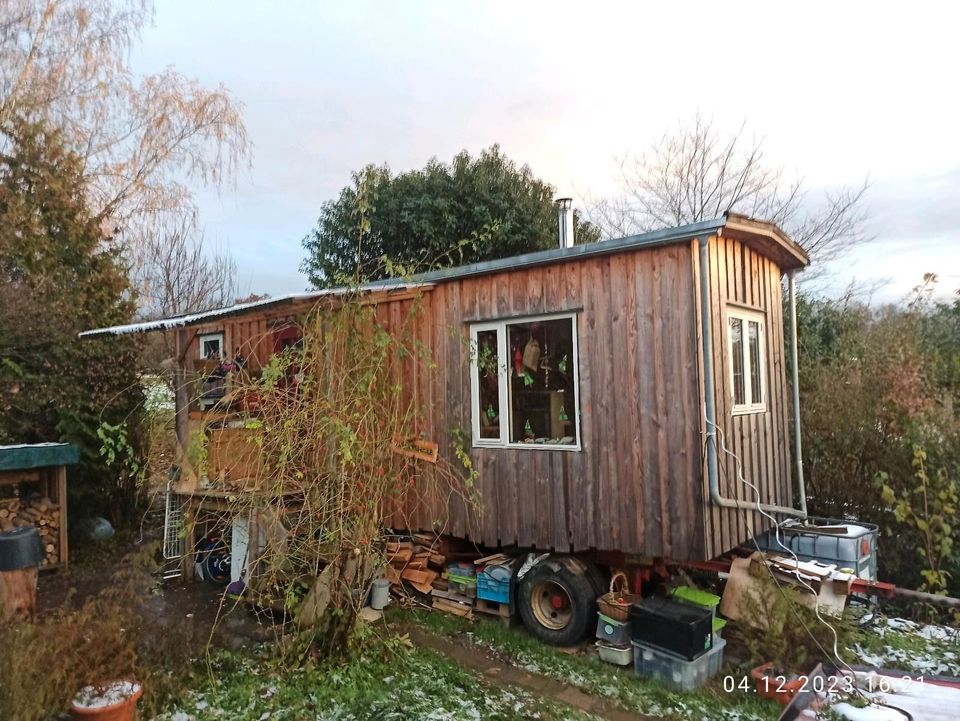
(180, 389)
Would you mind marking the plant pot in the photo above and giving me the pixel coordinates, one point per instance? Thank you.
(121, 710)
(773, 685)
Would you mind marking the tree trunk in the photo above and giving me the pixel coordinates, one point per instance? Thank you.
(18, 594)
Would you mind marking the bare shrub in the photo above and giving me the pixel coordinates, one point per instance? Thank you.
(105, 639)
(335, 420)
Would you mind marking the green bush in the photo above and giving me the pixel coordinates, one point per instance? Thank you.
(878, 390)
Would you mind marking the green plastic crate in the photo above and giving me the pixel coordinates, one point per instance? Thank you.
(697, 597)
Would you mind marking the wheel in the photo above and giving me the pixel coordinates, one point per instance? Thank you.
(600, 580)
(213, 557)
(558, 602)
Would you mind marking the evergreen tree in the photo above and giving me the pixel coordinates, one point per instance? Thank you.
(59, 275)
(469, 210)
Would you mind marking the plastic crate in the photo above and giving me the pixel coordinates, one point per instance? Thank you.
(676, 626)
(696, 597)
(674, 670)
(705, 600)
(619, 655)
(462, 585)
(612, 631)
(718, 625)
(493, 584)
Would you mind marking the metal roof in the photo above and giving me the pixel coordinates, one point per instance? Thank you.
(788, 254)
(556, 255)
(187, 319)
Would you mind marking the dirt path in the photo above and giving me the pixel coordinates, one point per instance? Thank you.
(504, 674)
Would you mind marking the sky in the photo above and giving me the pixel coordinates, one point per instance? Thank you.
(838, 92)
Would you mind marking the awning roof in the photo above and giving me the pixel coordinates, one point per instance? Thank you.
(188, 319)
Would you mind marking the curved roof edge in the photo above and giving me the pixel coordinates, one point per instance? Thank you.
(765, 237)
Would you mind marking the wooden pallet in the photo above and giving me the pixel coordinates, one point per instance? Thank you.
(492, 608)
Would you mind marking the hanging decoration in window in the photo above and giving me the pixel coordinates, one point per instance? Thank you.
(530, 400)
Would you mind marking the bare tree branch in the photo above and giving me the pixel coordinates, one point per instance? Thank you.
(180, 274)
(695, 173)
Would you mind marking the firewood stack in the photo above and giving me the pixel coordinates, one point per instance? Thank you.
(38, 511)
(421, 563)
(417, 561)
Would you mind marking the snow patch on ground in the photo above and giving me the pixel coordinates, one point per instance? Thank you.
(92, 697)
(931, 632)
(868, 713)
(939, 657)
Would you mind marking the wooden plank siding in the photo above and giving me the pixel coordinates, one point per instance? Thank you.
(638, 485)
(635, 485)
(741, 277)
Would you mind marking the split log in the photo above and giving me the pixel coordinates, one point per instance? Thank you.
(38, 511)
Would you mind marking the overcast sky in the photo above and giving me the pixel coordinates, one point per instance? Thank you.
(839, 92)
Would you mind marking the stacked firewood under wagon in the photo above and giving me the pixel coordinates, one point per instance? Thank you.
(449, 579)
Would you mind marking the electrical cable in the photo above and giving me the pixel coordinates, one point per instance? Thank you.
(740, 476)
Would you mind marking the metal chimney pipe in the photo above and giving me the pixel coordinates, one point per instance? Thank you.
(565, 221)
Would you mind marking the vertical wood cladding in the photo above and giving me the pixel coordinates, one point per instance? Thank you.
(638, 485)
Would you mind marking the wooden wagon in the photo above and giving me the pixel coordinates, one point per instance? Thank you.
(640, 381)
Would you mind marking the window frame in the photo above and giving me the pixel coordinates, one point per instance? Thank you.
(746, 316)
(219, 335)
(504, 387)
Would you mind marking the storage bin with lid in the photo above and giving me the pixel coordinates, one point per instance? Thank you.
(675, 626)
(612, 631)
(674, 670)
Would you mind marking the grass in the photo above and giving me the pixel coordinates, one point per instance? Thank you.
(592, 676)
(387, 683)
(902, 645)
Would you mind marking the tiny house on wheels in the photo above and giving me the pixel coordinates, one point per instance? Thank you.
(638, 407)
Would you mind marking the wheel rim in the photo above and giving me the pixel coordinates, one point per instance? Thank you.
(551, 605)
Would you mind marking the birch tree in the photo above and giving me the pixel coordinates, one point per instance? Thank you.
(142, 140)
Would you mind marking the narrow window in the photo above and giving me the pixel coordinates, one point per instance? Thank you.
(748, 369)
(488, 368)
(756, 386)
(524, 377)
(736, 358)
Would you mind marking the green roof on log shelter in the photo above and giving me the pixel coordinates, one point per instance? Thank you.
(25, 456)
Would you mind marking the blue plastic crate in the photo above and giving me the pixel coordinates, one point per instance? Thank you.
(493, 584)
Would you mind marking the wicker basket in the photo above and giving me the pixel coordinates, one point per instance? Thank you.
(617, 601)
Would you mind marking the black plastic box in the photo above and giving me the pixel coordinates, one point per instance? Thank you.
(674, 626)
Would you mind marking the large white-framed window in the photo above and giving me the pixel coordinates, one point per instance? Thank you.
(525, 383)
(746, 342)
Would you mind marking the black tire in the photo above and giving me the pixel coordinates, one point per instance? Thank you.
(600, 580)
(558, 602)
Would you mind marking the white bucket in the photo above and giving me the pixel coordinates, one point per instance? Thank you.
(380, 595)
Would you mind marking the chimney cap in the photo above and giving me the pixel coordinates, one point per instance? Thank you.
(564, 203)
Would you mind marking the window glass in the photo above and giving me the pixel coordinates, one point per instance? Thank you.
(747, 360)
(753, 340)
(542, 372)
(736, 358)
(211, 346)
(489, 384)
